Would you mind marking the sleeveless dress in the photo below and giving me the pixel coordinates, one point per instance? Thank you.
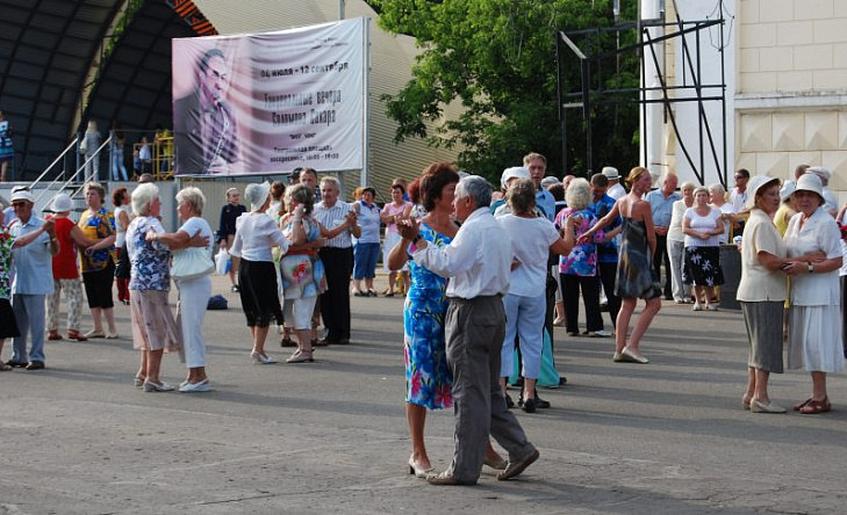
(635, 263)
(302, 274)
(428, 380)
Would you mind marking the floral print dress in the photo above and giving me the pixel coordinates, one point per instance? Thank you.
(428, 380)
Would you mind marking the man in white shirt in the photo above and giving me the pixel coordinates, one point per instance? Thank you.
(615, 189)
(339, 219)
(738, 195)
(478, 263)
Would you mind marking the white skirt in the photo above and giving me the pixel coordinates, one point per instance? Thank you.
(391, 239)
(814, 338)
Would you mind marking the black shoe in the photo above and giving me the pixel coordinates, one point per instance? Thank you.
(510, 404)
(541, 403)
(323, 342)
(286, 341)
(563, 380)
(35, 365)
(16, 364)
(235, 288)
(529, 405)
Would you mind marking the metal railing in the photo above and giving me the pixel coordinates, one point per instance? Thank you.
(95, 155)
(70, 146)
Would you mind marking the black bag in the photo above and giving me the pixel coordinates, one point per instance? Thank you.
(217, 302)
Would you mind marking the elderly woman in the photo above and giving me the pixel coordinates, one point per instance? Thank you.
(392, 212)
(153, 327)
(717, 199)
(703, 227)
(761, 293)
(255, 236)
(676, 244)
(428, 379)
(123, 212)
(366, 249)
(578, 269)
(98, 267)
(533, 238)
(191, 271)
(65, 270)
(301, 269)
(636, 278)
(814, 318)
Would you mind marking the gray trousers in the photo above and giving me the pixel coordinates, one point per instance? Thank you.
(474, 331)
(29, 314)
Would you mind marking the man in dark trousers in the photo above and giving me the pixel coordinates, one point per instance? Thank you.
(478, 263)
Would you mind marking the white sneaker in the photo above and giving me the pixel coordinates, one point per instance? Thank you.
(600, 334)
(202, 386)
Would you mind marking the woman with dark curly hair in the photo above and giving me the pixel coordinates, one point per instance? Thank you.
(428, 379)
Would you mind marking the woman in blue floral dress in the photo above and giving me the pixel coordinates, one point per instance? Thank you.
(428, 379)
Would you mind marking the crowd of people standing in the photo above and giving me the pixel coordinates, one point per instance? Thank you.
(483, 268)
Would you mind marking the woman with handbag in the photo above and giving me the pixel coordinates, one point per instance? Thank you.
(191, 270)
(301, 269)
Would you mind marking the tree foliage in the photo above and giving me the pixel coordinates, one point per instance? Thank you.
(497, 58)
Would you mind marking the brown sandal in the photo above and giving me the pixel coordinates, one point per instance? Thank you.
(798, 407)
(814, 407)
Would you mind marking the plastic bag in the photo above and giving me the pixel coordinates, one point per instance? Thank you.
(222, 262)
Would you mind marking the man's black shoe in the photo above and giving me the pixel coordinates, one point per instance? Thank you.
(16, 364)
(529, 405)
(509, 402)
(35, 365)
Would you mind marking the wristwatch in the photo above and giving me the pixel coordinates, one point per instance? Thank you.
(810, 267)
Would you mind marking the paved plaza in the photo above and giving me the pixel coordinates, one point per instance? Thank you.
(331, 437)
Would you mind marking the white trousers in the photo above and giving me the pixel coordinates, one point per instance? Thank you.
(525, 318)
(190, 310)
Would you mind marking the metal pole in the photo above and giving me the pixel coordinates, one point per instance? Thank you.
(340, 9)
(363, 177)
(723, 177)
(562, 127)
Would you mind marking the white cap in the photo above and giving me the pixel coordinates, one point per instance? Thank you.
(549, 181)
(611, 173)
(806, 182)
(61, 203)
(755, 184)
(257, 194)
(786, 190)
(515, 172)
(22, 193)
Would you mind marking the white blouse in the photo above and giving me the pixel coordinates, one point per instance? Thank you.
(255, 235)
(818, 233)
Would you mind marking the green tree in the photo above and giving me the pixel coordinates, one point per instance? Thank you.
(497, 58)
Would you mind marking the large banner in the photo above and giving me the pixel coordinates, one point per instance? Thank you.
(271, 102)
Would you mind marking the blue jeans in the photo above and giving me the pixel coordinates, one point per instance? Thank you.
(29, 314)
(364, 256)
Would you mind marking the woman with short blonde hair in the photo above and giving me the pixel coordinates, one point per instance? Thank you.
(192, 266)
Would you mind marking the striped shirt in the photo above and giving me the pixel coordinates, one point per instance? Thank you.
(332, 217)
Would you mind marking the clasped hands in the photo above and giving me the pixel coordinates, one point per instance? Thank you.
(799, 266)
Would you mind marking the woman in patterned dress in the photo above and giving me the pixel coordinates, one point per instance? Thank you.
(98, 267)
(301, 269)
(428, 380)
(154, 329)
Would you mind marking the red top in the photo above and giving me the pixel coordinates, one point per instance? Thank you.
(64, 263)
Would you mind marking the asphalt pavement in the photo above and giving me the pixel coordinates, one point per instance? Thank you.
(331, 436)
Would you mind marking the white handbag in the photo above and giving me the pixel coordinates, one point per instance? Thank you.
(191, 263)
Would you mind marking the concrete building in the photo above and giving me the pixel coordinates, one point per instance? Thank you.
(786, 76)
